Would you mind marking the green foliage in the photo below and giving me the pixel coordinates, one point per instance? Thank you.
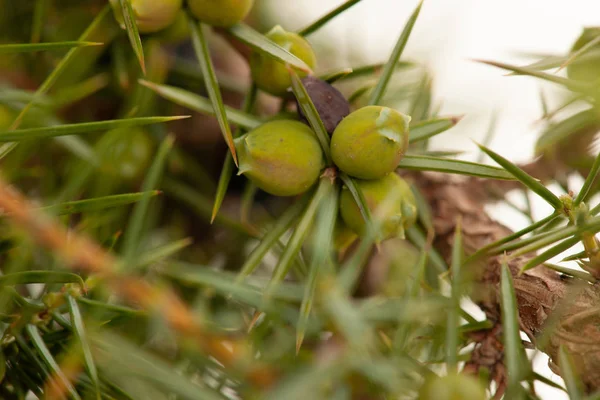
(139, 269)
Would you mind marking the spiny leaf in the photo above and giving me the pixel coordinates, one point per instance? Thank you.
(514, 353)
(388, 70)
(78, 129)
(80, 334)
(132, 32)
(159, 253)
(315, 26)
(311, 114)
(133, 234)
(46, 277)
(202, 104)
(561, 131)
(591, 226)
(283, 223)
(526, 179)
(332, 77)
(210, 82)
(40, 12)
(326, 218)
(46, 355)
(453, 317)
(264, 45)
(96, 204)
(426, 129)
(450, 166)
(98, 25)
(551, 252)
(293, 246)
(571, 272)
(568, 83)
(589, 181)
(123, 360)
(32, 47)
(567, 372)
(227, 169)
(509, 238)
(576, 54)
(358, 197)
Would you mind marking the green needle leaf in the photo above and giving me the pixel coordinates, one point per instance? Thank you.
(264, 45)
(96, 204)
(551, 252)
(567, 372)
(556, 133)
(533, 184)
(358, 197)
(453, 312)
(283, 223)
(47, 358)
(390, 66)
(78, 129)
(161, 252)
(326, 218)
(98, 28)
(33, 47)
(202, 104)
(293, 246)
(227, 169)
(210, 82)
(315, 26)
(514, 353)
(133, 233)
(46, 277)
(427, 129)
(589, 181)
(132, 32)
(80, 334)
(427, 163)
(311, 114)
(568, 83)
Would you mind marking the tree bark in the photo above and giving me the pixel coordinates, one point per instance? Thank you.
(554, 310)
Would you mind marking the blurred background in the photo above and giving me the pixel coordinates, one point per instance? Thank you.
(447, 38)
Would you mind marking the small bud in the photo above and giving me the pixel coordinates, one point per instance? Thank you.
(281, 157)
(370, 142)
(331, 105)
(271, 75)
(150, 15)
(390, 201)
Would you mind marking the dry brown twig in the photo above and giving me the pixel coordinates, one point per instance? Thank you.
(81, 253)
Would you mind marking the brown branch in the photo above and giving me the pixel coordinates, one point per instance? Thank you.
(553, 310)
(81, 253)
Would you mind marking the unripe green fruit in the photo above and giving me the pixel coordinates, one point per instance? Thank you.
(128, 153)
(281, 157)
(223, 13)
(587, 67)
(369, 143)
(452, 387)
(150, 15)
(390, 201)
(272, 76)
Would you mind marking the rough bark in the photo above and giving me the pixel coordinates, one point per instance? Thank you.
(554, 310)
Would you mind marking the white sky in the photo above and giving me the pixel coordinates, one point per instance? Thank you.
(448, 34)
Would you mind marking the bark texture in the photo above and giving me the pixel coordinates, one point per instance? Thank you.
(554, 310)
